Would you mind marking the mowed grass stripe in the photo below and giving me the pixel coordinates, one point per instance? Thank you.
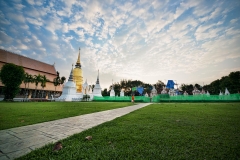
(159, 131)
(16, 114)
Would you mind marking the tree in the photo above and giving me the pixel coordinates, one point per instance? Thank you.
(12, 77)
(105, 92)
(57, 81)
(117, 88)
(25, 81)
(37, 79)
(30, 80)
(232, 82)
(44, 80)
(63, 79)
(159, 86)
(187, 87)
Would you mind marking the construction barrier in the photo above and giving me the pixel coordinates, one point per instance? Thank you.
(167, 98)
(121, 99)
(197, 98)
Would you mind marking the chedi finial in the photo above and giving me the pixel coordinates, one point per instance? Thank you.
(78, 63)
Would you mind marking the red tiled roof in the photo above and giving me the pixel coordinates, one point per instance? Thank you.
(9, 57)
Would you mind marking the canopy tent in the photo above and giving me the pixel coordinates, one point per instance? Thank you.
(170, 84)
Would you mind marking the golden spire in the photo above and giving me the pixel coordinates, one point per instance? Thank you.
(78, 61)
(78, 64)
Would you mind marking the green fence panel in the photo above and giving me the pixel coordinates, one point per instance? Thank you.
(121, 99)
(179, 98)
(167, 98)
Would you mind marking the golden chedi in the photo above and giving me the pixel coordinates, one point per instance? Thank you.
(77, 75)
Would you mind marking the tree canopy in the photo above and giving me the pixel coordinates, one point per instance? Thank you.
(127, 86)
(231, 82)
(12, 77)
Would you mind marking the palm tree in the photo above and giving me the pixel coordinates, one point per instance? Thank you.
(43, 81)
(25, 81)
(62, 80)
(30, 80)
(37, 79)
(56, 83)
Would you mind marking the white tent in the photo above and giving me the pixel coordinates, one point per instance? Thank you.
(227, 92)
(207, 93)
(220, 93)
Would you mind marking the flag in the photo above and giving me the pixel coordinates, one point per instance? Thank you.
(134, 88)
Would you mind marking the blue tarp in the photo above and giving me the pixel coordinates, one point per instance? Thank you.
(170, 84)
(140, 90)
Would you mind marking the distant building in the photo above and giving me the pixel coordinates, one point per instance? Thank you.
(32, 67)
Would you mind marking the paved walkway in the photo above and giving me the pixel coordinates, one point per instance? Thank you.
(16, 142)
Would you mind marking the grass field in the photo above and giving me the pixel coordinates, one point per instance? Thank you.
(159, 131)
(15, 114)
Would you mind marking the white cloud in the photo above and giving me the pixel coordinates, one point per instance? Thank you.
(4, 38)
(215, 13)
(18, 6)
(31, 2)
(34, 21)
(35, 2)
(23, 47)
(53, 23)
(4, 21)
(202, 10)
(65, 28)
(234, 20)
(180, 10)
(125, 39)
(25, 27)
(16, 17)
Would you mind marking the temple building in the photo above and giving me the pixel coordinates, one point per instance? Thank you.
(32, 67)
(77, 74)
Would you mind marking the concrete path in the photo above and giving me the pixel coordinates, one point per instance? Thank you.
(16, 142)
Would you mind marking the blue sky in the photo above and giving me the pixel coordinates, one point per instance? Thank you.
(188, 41)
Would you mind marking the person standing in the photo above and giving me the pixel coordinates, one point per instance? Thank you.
(132, 98)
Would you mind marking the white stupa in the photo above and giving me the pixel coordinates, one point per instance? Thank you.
(185, 93)
(122, 93)
(90, 89)
(203, 91)
(146, 95)
(164, 91)
(69, 92)
(112, 93)
(171, 92)
(196, 91)
(227, 92)
(220, 94)
(97, 91)
(207, 93)
(153, 92)
(85, 88)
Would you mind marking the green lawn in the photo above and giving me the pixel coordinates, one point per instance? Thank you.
(159, 131)
(15, 114)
